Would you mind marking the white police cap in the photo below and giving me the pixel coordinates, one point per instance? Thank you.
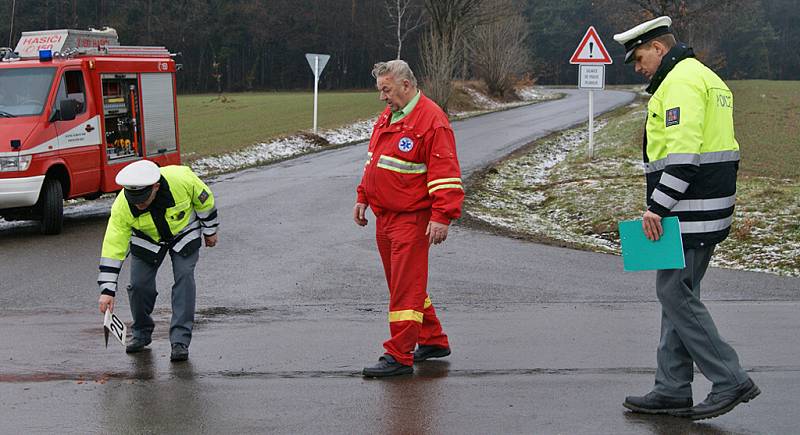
(138, 179)
(643, 33)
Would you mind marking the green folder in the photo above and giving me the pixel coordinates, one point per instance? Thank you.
(639, 253)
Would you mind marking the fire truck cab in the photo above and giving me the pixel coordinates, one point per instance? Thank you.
(76, 108)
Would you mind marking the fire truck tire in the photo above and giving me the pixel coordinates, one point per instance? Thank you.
(51, 202)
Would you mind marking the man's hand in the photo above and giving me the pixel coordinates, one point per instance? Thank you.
(360, 214)
(105, 303)
(436, 232)
(651, 224)
(211, 240)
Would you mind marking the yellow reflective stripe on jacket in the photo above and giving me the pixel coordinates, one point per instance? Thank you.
(443, 180)
(401, 166)
(405, 315)
(428, 303)
(446, 186)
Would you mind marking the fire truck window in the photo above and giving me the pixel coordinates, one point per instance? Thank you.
(71, 87)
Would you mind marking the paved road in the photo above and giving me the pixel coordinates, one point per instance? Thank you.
(292, 305)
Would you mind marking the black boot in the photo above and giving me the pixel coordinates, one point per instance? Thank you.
(424, 352)
(387, 366)
(717, 404)
(180, 352)
(137, 345)
(654, 403)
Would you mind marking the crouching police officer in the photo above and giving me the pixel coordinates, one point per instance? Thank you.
(162, 210)
(691, 159)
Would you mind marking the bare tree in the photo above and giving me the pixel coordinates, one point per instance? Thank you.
(439, 63)
(497, 48)
(405, 17)
(443, 44)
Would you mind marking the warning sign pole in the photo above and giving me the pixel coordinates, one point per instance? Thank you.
(591, 125)
(591, 57)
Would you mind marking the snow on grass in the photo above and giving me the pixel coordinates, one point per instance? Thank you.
(527, 95)
(555, 192)
(514, 194)
(283, 148)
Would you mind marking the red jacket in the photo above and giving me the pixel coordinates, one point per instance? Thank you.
(413, 165)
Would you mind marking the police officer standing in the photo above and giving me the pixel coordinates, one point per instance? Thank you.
(162, 210)
(691, 159)
(412, 182)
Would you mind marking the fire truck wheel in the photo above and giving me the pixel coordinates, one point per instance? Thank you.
(51, 202)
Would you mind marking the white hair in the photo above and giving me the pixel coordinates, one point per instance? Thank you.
(397, 68)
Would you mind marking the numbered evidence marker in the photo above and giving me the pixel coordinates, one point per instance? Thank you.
(112, 323)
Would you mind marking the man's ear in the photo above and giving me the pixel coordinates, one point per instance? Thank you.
(661, 49)
(156, 186)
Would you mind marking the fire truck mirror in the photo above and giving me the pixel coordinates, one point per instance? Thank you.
(66, 110)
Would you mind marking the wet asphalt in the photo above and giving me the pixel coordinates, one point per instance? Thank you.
(291, 305)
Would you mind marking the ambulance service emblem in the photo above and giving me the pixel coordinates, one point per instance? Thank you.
(405, 145)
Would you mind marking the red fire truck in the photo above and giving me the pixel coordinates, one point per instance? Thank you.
(76, 108)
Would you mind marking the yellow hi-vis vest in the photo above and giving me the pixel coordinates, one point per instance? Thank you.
(190, 214)
(691, 154)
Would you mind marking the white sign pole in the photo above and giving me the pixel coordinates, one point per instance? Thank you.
(591, 125)
(317, 63)
(316, 89)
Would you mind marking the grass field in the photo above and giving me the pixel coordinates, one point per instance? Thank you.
(767, 117)
(210, 125)
(578, 202)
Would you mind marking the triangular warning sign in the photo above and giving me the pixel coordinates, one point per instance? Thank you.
(591, 49)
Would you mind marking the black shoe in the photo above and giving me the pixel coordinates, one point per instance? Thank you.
(387, 366)
(425, 352)
(180, 352)
(654, 403)
(717, 404)
(137, 345)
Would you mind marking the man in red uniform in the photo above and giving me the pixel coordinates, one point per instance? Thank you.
(412, 181)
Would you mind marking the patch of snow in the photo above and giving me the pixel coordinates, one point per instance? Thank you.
(533, 194)
(283, 148)
(527, 95)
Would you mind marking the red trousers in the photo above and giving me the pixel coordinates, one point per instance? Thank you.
(403, 246)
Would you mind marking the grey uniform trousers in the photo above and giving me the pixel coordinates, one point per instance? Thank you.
(688, 333)
(142, 296)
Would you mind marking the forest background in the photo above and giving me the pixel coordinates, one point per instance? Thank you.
(250, 45)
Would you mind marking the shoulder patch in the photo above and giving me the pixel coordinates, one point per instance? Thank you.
(203, 197)
(673, 116)
(406, 144)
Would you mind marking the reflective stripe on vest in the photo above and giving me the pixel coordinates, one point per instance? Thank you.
(110, 262)
(706, 226)
(674, 183)
(705, 204)
(691, 159)
(145, 244)
(662, 198)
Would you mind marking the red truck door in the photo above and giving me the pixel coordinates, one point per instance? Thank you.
(79, 144)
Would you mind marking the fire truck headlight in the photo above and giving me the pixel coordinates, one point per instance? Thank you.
(14, 164)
